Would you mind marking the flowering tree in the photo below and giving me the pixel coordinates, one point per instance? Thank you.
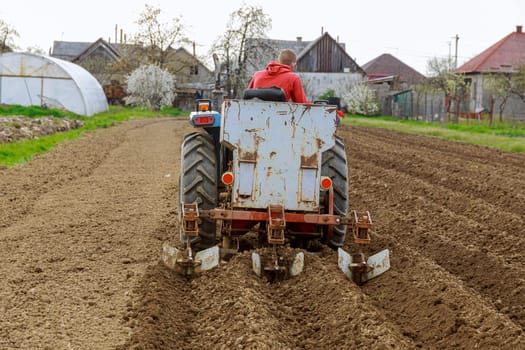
(151, 87)
(239, 45)
(360, 99)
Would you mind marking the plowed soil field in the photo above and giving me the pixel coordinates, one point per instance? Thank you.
(81, 230)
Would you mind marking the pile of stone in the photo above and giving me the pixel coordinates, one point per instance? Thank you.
(16, 128)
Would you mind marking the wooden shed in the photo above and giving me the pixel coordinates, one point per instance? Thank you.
(326, 55)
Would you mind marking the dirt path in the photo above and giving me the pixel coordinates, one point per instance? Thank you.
(82, 226)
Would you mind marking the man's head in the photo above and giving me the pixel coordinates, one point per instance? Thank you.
(287, 57)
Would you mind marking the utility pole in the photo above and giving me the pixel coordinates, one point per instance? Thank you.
(449, 55)
(456, 55)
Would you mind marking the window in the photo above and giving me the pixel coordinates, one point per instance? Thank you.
(194, 70)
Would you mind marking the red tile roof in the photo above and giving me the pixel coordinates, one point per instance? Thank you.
(503, 56)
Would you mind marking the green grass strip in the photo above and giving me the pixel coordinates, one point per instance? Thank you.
(23, 151)
(508, 137)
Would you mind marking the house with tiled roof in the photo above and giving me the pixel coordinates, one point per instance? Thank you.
(503, 57)
(99, 58)
(393, 80)
(386, 67)
(95, 57)
(77, 51)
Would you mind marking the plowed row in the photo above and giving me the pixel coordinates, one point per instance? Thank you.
(81, 230)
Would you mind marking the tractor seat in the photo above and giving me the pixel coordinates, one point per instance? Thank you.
(273, 93)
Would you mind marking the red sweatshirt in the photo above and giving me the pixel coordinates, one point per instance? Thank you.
(280, 75)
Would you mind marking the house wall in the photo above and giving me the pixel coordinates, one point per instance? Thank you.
(316, 84)
(98, 63)
(514, 109)
(479, 98)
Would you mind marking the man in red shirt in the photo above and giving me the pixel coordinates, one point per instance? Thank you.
(280, 74)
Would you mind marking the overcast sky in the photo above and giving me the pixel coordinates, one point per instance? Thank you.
(412, 30)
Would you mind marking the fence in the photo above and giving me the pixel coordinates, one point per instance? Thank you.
(429, 107)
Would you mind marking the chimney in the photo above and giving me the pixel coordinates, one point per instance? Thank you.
(299, 39)
(519, 29)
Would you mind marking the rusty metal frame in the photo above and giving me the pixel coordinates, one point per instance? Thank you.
(361, 227)
(276, 224)
(190, 220)
(253, 215)
(330, 228)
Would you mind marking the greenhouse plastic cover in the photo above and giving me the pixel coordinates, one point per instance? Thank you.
(35, 80)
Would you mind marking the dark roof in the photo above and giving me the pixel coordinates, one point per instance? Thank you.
(386, 65)
(310, 44)
(296, 45)
(110, 49)
(69, 50)
(503, 56)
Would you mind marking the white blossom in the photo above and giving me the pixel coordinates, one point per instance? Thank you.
(151, 87)
(361, 99)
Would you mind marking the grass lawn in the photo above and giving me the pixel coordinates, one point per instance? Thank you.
(22, 151)
(508, 137)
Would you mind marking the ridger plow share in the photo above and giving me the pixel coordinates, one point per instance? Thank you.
(275, 169)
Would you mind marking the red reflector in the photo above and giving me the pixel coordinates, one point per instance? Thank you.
(227, 178)
(326, 182)
(204, 120)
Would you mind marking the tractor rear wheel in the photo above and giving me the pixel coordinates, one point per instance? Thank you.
(198, 182)
(334, 165)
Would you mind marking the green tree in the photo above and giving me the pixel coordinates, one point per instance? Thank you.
(518, 82)
(502, 85)
(453, 85)
(244, 27)
(8, 34)
(499, 86)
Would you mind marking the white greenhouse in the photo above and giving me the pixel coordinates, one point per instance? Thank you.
(34, 80)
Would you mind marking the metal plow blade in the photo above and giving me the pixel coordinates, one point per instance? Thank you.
(293, 269)
(359, 271)
(183, 262)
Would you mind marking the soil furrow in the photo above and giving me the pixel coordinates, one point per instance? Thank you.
(83, 225)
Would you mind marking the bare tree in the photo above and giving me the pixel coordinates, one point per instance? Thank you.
(156, 42)
(158, 38)
(247, 23)
(35, 49)
(7, 37)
